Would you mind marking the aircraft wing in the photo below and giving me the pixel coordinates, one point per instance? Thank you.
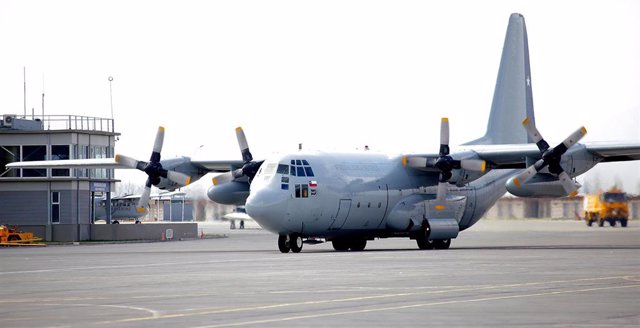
(514, 156)
(615, 151)
(220, 166)
(106, 163)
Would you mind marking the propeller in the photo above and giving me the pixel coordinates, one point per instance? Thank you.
(249, 168)
(153, 169)
(445, 164)
(551, 158)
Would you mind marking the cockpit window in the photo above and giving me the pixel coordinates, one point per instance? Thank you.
(283, 169)
(270, 169)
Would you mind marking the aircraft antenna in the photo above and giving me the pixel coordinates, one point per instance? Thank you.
(24, 79)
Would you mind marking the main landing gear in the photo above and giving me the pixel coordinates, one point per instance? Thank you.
(292, 242)
(424, 243)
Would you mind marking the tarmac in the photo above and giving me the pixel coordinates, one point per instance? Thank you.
(527, 273)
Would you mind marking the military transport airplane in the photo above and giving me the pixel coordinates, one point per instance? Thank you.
(349, 199)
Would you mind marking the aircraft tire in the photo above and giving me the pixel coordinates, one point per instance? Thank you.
(442, 244)
(340, 245)
(295, 242)
(283, 244)
(612, 222)
(601, 223)
(115, 222)
(424, 243)
(623, 223)
(358, 245)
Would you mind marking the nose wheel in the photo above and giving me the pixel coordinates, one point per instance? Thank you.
(292, 242)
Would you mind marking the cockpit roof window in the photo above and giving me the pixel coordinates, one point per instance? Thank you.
(301, 168)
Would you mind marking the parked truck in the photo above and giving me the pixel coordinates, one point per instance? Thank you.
(610, 206)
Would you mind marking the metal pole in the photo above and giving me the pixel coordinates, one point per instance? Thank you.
(111, 99)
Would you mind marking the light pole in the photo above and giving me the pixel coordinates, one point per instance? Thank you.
(111, 98)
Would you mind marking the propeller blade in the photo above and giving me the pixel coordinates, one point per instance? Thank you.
(244, 146)
(127, 161)
(531, 130)
(144, 198)
(157, 145)
(568, 184)
(444, 137)
(525, 175)
(223, 178)
(473, 165)
(441, 196)
(179, 178)
(574, 137)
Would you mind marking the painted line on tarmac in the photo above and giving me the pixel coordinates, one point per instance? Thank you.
(412, 306)
(364, 298)
(128, 266)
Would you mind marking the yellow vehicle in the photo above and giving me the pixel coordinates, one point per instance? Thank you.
(13, 237)
(610, 206)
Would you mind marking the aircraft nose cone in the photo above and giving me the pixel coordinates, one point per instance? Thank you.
(268, 208)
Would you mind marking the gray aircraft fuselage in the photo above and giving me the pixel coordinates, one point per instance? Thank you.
(356, 194)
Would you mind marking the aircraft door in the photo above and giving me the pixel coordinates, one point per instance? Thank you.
(344, 207)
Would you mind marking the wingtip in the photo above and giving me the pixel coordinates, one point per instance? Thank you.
(239, 129)
(161, 128)
(583, 130)
(188, 181)
(445, 120)
(483, 168)
(214, 181)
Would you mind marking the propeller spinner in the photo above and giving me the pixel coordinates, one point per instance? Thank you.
(153, 169)
(445, 164)
(551, 158)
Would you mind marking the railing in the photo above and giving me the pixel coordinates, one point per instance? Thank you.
(73, 122)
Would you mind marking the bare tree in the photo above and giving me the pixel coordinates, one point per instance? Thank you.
(128, 188)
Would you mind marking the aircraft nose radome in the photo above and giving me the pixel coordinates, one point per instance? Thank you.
(268, 208)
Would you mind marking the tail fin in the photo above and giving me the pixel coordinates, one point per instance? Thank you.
(512, 98)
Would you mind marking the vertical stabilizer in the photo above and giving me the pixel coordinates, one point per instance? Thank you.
(512, 98)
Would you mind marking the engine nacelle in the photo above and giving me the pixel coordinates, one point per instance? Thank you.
(541, 185)
(232, 193)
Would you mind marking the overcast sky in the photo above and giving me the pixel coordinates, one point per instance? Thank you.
(333, 75)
